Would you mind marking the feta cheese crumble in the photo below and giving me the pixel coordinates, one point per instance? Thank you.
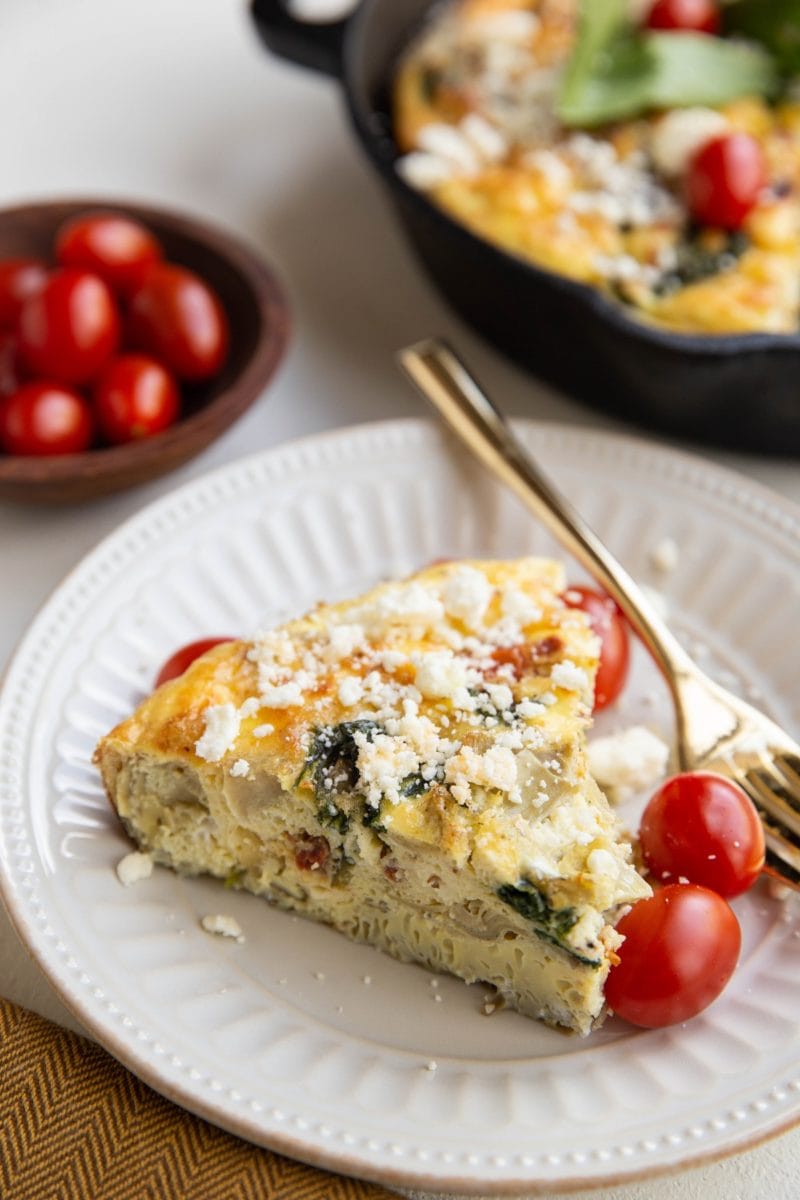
(439, 675)
(665, 555)
(680, 134)
(134, 867)
(223, 926)
(631, 761)
(283, 695)
(571, 677)
(222, 723)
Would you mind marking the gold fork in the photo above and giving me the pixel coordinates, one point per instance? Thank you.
(715, 730)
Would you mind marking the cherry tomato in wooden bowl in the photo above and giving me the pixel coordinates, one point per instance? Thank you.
(175, 315)
(19, 279)
(135, 397)
(117, 248)
(69, 328)
(257, 316)
(43, 419)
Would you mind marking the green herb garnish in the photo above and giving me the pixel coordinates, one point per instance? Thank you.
(618, 70)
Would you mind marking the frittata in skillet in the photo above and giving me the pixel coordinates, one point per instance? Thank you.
(492, 129)
(408, 767)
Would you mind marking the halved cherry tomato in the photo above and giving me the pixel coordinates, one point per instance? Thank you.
(610, 626)
(69, 328)
(135, 397)
(19, 278)
(696, 16)
(702, 826)
(681, 948)
(178, 318)
(724, 180)
(116, 248)
(183, 658)
(45, 418)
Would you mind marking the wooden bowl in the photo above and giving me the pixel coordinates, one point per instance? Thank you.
(258, 314)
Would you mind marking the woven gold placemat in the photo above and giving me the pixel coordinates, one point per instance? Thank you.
(75, 1125)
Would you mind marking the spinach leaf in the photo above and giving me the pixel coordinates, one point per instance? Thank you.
(550, 924)
(617, 70)
(331, 762)
(696, 261)
(773, 23)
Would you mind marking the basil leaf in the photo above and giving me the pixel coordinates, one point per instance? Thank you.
(618, 71)
(693, 68)
(774, 23)
(600, 23)
(618, 85)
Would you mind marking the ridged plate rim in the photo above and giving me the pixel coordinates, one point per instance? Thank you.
(771, 517)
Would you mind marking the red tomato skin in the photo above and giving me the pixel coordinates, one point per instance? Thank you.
(703, 827)
(70, 328)
(182, 659)
(135, 397)
(681, 948)
(694, 16)
(11, 376)
(19, 278)
(176, 316)
(724, 180)
(45, 418)
(117, 248)
(611, 627)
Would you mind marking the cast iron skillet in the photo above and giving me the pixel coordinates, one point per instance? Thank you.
(740, 391)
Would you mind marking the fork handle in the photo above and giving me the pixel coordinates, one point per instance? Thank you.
(444, 380)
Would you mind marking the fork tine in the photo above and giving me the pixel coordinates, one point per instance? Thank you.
(778, 809)
(781, 799)
(783, 843)
(789, 766)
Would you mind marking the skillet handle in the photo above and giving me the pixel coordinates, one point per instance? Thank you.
(318, 46)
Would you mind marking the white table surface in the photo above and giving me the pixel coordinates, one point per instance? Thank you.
(173, 101)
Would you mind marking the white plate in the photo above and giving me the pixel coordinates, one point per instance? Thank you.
(298, 1039)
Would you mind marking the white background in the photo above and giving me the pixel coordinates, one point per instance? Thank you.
(173, 101)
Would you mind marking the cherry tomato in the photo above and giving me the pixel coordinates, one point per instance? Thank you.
(610, 626)
(178, 318)
(10, 373)
(135, 397)
(183, 658)
(19, 278)
(696, 16)
(681, 948)
(703, 827)
(45, 418)
(69, 328)
(116, 248)
(724, 180)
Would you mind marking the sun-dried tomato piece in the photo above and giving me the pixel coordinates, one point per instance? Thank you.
(311, 853)
(525, 658)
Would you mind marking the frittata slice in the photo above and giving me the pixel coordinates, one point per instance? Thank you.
(408, 767)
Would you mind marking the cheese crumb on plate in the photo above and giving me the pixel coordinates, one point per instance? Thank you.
(134, 867)
(630, 761)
